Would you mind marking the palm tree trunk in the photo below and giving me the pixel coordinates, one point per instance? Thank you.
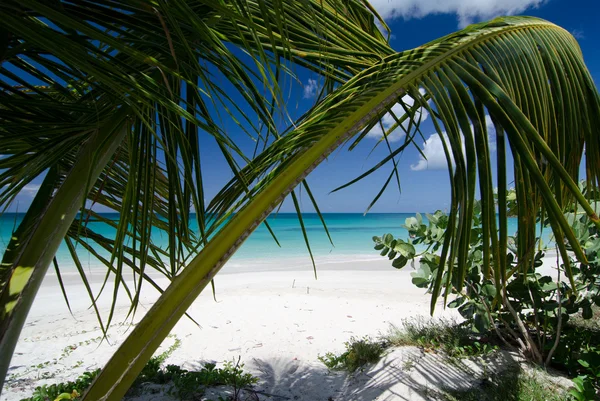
(30, 263)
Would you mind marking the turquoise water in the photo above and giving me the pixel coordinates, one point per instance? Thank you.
(351, 234)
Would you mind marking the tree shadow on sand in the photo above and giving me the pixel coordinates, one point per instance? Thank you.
(406, 373)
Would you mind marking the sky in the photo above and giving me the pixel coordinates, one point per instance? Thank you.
(424, 183)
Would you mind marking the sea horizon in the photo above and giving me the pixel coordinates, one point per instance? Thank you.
(351, 234)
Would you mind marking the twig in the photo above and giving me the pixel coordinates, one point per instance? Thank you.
(535, 317)
(498, 333)
(530, 343)
(559, 325)
(513, 333)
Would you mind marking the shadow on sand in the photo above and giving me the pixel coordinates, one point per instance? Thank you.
(406, 373)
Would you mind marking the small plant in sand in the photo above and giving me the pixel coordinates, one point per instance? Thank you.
(179, 382)
(62, 391)
(456, 340)
(358, 353)
(186, 384)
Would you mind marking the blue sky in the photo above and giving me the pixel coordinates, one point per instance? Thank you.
(414, 22)
(424, 185)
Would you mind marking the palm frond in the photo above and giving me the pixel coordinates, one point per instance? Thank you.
(128, 87)
(507, 68)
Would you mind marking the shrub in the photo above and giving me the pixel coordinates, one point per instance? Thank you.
(456, 340)
(358, 353)
(530, 310)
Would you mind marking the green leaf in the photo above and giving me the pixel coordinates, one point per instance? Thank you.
(399, 262)
(549, 287)
(583, 363)
(405, 249)
(489, 290)
(411, 223)
(431, 218)
(420, 282)
(482, 322)
(457, 302)
(467, 310)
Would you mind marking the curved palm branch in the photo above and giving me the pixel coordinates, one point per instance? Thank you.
(108, 99)
(529, 76)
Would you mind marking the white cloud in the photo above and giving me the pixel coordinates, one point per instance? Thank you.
(388, 121)
(310, 89)
(30, 189)
(434, 150)
(578, 34)
(467, 11)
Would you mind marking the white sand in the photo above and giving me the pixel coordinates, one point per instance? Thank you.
(277, 322)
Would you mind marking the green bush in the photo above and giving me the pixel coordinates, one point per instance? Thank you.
(358, 353)
(456, 340)
(183, 383)
(70, 389)
(530, 308)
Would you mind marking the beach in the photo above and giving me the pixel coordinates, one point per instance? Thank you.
(269, 313)
(277, 323)
(161, 240)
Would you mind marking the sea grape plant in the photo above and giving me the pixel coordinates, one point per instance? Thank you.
(531, 306)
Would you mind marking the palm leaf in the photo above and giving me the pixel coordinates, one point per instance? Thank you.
(128, 87)
(506, 67)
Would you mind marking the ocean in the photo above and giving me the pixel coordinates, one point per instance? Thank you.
(351, 234)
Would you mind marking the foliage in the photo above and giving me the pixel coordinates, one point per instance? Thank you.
(182, 383)
(456, 340)
(358, 353)
(531, 309)
(584, 389)
(535, 298)
(578, 353)
(187, 384)
(134, 109)
(54, 391)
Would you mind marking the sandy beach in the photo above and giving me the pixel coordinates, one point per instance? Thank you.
(277, 323)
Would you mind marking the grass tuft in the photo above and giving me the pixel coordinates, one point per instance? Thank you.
(358, 353)
(456, 340)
